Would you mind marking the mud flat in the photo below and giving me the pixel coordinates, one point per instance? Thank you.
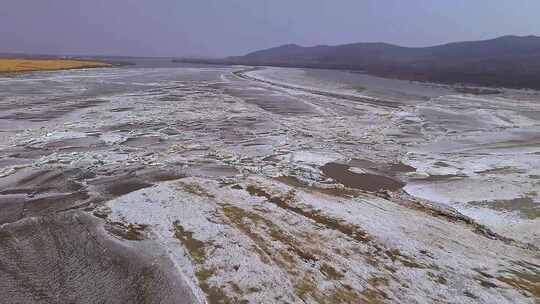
(360, 179)
(198, 185)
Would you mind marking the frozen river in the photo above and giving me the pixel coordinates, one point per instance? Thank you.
(168, 183)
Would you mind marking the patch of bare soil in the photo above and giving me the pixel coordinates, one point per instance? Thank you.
(363, 181)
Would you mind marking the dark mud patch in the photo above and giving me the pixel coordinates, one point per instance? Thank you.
(125, 109)
(170, 131)
(68, 258)
(401, 168)
(390, 169)
(477, 91)
(365, 181)
(126, 186)
(441, 164)
(143, 141)
(500, 170)
(123, 181)
(118, 185)
(160, 175)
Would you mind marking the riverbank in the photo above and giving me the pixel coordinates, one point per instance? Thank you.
(29, 65)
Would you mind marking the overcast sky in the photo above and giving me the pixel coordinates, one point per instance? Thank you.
(234, 27)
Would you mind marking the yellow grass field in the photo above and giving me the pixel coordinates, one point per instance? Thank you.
(27, 65)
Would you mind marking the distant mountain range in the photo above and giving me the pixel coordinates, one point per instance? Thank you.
(508, 61)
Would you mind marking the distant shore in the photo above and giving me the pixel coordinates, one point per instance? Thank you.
(473, 84)
(14, 65)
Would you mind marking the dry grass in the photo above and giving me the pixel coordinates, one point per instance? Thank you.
(27, 65)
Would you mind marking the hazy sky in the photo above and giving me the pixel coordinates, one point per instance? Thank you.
(232, 27)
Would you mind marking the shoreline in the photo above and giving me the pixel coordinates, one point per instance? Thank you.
(396, 75)
(22, 65)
